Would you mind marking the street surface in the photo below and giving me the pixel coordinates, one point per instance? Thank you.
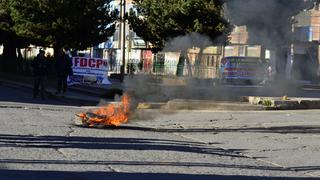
(38, 140)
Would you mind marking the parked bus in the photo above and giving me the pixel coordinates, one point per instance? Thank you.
(248, 70)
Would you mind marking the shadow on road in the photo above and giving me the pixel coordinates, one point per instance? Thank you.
(48, 175)
(157, 163)
(276, 129)
(108, 143)
(143, 144)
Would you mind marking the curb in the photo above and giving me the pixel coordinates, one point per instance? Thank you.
(285, 103)
(152, 106)
(246, 103)
(183, 104)
(315, 86)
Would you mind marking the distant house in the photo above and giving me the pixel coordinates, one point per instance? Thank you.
(306, 44)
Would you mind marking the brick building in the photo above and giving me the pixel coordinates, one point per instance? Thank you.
(305, 48)
(239, 44)
(306, 44)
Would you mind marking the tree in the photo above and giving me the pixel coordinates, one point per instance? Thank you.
(156, 21)
(64, 23)
(10, 40)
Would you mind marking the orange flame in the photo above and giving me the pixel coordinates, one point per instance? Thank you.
(110, 115)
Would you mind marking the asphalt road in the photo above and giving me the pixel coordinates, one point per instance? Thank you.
(40, 141)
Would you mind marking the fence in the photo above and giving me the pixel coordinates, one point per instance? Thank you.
(168, 70)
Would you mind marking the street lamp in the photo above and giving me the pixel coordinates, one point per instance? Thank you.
(123, 36)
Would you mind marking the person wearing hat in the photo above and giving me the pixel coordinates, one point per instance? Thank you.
(39, 67)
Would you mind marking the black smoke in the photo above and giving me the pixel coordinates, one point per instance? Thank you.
(269, 22)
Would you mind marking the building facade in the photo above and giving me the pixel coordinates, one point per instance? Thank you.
(306, 45)
(303, 64)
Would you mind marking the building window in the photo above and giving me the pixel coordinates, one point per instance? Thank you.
(253, 51)
(242, 51)
(212, 60)
(208, 60)
(229, 51)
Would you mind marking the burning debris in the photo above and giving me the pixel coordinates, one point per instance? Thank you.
(111, 115)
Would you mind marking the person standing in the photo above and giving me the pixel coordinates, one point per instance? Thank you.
(63, 68)
(39, 66)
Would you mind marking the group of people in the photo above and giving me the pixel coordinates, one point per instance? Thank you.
(63, 66)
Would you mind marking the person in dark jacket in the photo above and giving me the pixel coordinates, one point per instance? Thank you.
(63, 68)
(39, 66)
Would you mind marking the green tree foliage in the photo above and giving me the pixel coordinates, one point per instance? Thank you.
(64, 23)
(158, 20)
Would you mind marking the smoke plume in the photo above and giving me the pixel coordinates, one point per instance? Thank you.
(157, 89)
(185, 42)
(269, 22)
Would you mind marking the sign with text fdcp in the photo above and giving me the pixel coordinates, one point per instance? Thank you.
(89, 68)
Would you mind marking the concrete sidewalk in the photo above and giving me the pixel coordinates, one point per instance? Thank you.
(285, 103)
(70, 95)
(87, 96)
(93, 94)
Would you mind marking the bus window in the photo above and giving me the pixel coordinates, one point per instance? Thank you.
(237, 69)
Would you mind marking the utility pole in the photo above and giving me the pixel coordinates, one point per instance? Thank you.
(123, 37)
(290, 53)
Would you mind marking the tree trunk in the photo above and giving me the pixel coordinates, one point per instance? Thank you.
(188, 64)
(200, 65)
(56, 51)
(184, 59)
(9, 57)
(20, 61)
(281, 63)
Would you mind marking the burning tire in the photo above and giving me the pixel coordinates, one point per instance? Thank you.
(112, 115)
